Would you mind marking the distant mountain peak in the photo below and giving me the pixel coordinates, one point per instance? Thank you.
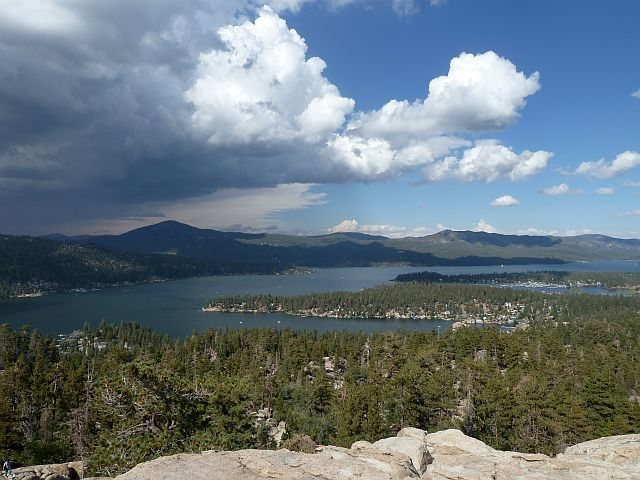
(167, 224)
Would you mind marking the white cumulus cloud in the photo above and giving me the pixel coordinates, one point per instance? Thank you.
(262, 88)
(483, 226)
(481, 92)
(505, 201)
(354, 226)
(556, 190)
(603, 169)
(604, 191)
(488, 161)
(386, 230)
(368, 157)
(636, 94)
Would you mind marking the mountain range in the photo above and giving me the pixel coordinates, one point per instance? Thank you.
(357, 249)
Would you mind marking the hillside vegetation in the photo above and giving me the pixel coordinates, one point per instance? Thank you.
(612, 280)
(119, 395)
(29, 265)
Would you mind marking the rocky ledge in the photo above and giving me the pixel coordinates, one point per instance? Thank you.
(445, 455)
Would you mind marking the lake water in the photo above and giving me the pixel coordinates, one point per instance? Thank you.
(175, 307)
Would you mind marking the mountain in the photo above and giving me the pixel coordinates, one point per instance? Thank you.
(494, 239)
(29, 265)
(450, 244)
(357, 249)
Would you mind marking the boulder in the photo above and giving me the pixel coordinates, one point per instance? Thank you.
(457, 456)
(449, 442)
(57, 471)
(412, 443)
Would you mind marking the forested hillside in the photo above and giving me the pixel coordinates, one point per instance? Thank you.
(29, 265)
(433, 301)
(119, 395)
(612, 280)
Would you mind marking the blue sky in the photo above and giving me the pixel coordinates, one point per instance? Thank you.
(389, 117)
(586, 55)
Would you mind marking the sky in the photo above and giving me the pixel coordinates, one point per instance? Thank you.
(390, 117)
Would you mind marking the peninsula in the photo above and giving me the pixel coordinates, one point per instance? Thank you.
(460, 303)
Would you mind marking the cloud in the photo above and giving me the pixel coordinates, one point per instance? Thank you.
(228, 209)
(391, 231)
(398, 231)
(401, 8)
(480, 93)
(556, 190)
(262, 88)
(604, 191)
(483, 226)
(573, 232)
(369, 157)
(116, 117)
(137, 107)
(404, 7)
(631, 184)
(505, 201)
(630, 213)
(636, 94)
(488, 161)
(602, 169)
(536, 232)
(570, 232)
(423, 231)
(354, 226)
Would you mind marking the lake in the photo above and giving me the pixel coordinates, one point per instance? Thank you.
(174, 307)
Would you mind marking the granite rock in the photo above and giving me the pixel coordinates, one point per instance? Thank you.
(445, 455)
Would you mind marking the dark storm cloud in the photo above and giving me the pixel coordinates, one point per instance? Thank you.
(93, 116)
(109, 108)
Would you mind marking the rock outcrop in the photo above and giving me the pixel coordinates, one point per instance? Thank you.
(328, 463)
(445, 455)
(60, 471)
(456, 456)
